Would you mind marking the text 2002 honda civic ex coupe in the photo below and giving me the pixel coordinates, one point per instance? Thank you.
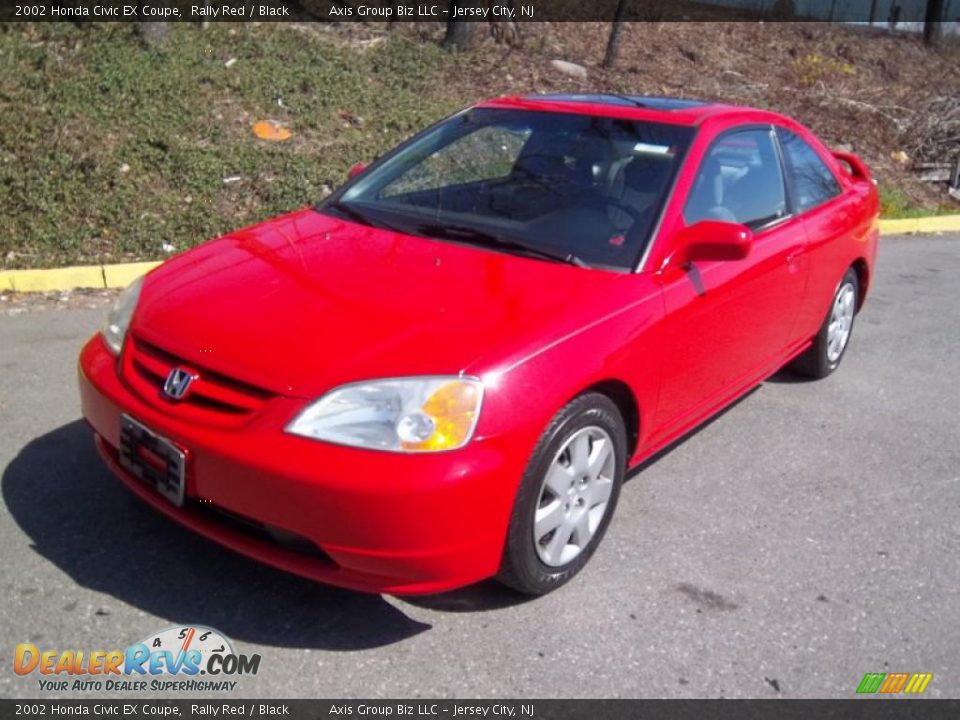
(443, 372)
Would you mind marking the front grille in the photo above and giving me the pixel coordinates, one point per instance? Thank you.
(212, 396)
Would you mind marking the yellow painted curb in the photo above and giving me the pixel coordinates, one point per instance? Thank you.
(58, 279)
(80, 276)
(119, 276)
(936, 223)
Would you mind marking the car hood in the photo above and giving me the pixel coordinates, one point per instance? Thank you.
(305, 302)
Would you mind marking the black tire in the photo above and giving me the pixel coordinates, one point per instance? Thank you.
(816, 362)
(522, 567)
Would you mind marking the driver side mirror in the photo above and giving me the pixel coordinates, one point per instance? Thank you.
(712, 240)
(356, 170)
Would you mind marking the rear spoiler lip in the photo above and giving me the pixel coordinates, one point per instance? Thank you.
(858, 168)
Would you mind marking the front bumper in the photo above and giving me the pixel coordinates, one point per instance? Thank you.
(361, 519)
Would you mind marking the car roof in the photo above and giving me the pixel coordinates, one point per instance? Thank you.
(654, 108)
(652, 102)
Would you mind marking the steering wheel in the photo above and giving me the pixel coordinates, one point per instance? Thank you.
(634, 214)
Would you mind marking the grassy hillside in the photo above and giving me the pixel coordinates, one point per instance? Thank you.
(111, 151)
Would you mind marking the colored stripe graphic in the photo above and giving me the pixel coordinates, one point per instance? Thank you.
(918, 682)
(893, 683)
(871, 682)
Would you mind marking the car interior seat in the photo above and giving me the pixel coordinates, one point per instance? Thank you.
(707, 198)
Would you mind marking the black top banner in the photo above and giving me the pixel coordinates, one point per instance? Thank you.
(896, 12)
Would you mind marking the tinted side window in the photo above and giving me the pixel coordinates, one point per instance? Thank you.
(811, 180)
(739, 181)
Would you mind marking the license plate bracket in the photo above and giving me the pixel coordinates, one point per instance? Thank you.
(153, 460)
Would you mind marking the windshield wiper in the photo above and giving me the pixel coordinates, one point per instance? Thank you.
(463, 233)
(482, 237)
(363, 218)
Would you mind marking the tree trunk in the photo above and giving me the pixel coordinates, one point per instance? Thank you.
(152, 33)
(613, 44)
(894, 17)
(461, 34)
(933, 21)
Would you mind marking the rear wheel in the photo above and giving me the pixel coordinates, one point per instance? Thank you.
(567, 496)
(830, 344)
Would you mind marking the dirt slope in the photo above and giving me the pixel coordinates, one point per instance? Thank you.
(854, 86)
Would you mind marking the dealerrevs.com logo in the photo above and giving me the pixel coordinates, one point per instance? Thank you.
(186, 659)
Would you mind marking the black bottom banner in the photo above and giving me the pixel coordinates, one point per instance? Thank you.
(443, 709)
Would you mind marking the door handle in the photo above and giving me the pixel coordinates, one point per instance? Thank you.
(794, 254)
(793, 258)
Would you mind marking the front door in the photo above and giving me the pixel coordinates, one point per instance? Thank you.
(727, 322)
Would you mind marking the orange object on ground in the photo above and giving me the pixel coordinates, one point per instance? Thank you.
(270, 130)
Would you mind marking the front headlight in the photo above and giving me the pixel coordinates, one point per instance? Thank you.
(115, 329)
(419, 414)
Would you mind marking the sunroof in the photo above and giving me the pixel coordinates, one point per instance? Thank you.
(653, 102)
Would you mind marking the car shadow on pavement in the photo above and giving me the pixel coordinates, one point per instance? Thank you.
(87, 524)
(786, 376)
(486, 595)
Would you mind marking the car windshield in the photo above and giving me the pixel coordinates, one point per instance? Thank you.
(567, 187)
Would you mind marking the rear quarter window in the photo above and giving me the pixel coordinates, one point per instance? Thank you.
(812, 182)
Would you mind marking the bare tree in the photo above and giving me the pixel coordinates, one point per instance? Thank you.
(613, 44)
(153, 33)
(461, 34)
(932, 22)
(506, 31)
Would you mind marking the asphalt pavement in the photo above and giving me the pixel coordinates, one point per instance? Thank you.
(806, 536)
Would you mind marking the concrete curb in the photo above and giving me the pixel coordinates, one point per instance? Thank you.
(118, 276)
(80, 276)
(934, 223)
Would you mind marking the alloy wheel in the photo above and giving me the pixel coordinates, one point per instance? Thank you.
(574, 496)
(841, 321)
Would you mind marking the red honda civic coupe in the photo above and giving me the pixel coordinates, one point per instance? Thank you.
(443, 371)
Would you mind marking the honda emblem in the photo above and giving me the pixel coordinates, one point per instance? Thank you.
(177, 383)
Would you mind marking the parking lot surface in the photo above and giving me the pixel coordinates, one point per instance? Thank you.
(805, 537)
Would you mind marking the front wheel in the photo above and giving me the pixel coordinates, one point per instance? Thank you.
(567, 496)
(824, 356)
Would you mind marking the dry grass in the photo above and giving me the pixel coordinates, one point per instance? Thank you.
(112, 152)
